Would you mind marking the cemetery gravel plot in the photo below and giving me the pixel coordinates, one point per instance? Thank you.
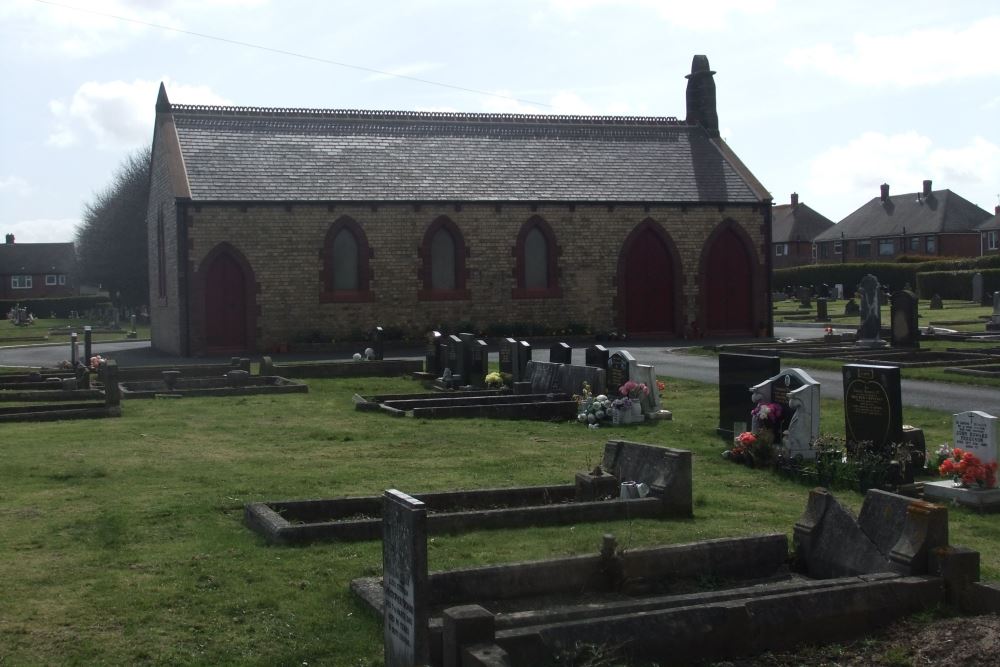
(121, 541)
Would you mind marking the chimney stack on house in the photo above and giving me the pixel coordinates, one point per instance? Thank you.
(927, 188)
(885, 192)
(701, 96)
(795, 199)
(9, 239)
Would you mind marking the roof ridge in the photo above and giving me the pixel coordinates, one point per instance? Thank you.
(444, 116)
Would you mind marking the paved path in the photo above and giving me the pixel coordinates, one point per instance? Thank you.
(670, 359)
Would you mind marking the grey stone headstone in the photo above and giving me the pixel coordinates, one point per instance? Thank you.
(873, 405)
(560, 353)
(838, 291)
(905, 327)
(737, 374)
(975, 431)
(406, 637)
(597, 355)
(619, 367)
(573, 378)
(545, 377)
(109, 376)
(266, 366)
(936, 302)
(871, 317)
(646, 374)
(822, 314)
(977, 288)
(799, 394)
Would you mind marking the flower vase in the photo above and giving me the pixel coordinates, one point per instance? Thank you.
(636, 410)
(616, 416)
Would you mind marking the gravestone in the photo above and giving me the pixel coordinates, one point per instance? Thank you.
(852, 307)
(573, 378)
(88, 344)
(108, 372)
(560, 353)
(873, 406)
(646, 374)
(506, 355)
(976, 432)
(994, 323)
(798, 393)
(478, 358)
(804, 295)
(619, 364)
(905, 329)
(977, 288)
(73, 350)
(737, 373)
(545, 377)
(432, 354)
(870, 328)
(406, 638)
(597, 355)
(838, 291)
(821, 310)
(521, 362)
(824, 291)
(378, 344)
(458, 357)
(936, 302)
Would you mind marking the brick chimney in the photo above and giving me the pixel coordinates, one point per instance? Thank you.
(9, 240)
(701, 96)
(885, 192)
(927, 188)
(795, 199)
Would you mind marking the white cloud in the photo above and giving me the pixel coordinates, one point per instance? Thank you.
(118, 114)
(42, 230)
(704, 15)
(854, 172)
(920, 57)
(15, 185)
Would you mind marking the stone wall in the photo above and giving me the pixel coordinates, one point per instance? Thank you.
(283, 245)
(164, 311)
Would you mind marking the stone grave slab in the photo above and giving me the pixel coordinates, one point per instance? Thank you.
(545, 377)
(873, 405)
(575, 376)
(737, 374)
(404, 579)
(903, 529)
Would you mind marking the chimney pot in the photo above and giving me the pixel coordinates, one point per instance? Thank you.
(795, 199)
(885, 191)
(927, 188)
(996, 210)
(9, 240)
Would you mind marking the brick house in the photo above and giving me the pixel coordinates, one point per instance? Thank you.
(793, 228)
(265, 222)
(929, 222)
(33, 270)
(989, 234)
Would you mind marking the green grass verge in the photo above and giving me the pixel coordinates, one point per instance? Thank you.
(38, 333)
(972, 316)
(121, 541)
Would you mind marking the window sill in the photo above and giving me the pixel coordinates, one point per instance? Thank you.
(346, 296)
(443, 295)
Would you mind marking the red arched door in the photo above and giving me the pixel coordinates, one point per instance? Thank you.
(728, 295)
(225, 304)
(646, 287)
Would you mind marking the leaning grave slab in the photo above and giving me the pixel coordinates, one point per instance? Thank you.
(593, 497)
(63, 403)
(644, 603)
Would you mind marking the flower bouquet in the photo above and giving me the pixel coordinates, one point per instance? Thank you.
(967, 470)
(592, 409)
(494, 380)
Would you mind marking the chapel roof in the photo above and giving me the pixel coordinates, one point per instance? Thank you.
(269, 154)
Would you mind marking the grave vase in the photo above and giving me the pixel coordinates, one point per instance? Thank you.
(636, 410)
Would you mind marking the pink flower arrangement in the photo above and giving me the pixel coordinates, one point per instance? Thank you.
(769, 413)
(634, 390)
(96, 361)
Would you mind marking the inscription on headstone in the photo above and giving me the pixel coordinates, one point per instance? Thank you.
(975, 431)
(619, 365)
(406, 637)
(737, 373)
(873, 406)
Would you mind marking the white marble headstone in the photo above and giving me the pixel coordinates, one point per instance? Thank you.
(976, 432)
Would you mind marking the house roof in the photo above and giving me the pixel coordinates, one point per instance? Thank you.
(991, 223)
(797, 222)
(17, 258)
(942, 211)
(263, 154)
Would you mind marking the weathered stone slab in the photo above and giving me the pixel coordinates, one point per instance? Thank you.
(903, 529)
(404, 575)
(829, 542)
(575, 376)
(545, 377)
(667, 471)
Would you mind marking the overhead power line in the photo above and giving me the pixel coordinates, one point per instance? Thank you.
(293, 54)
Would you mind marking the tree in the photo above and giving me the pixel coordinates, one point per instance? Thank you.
(111, 239)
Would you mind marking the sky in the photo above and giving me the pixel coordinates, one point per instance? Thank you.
(828, 100)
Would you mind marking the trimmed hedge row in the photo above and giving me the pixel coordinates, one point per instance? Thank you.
(849, 275)
(956, 284)
(61, 306)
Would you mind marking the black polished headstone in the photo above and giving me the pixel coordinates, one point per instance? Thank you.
(905, 329)
(478, 361)
(821, 310)
(618, 370)
(521, 361)
(873, 405)
(560, 353)
(433, 354)
(737, 373)
(507, 354)
(88, 347)
(406, 637)
(378, 343)
(597, 355)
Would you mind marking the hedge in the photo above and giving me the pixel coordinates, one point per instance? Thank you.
(849, 275)
(956, 284)
(61, 306)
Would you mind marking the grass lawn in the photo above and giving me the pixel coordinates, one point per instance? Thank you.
(970, 315)
(39, 332)
(121, 540)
